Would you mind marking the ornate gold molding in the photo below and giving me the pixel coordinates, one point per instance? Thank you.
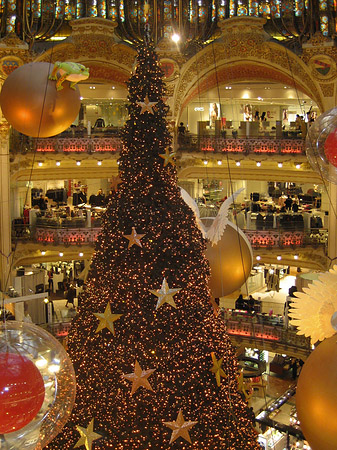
(4, 130)
(328, 90)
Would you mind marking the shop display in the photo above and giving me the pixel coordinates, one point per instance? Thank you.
(316, 396)
(33, 106)
(37, 372)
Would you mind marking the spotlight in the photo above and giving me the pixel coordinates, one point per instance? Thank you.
(205, 162)
(238, 163)
(280, 165)
(295, 256)
(80, 255)
(279, 258)
(258, 164)
(298, 166)
(219, 162)
(39, 164)
(99, 163)
(46, 300)
(61, 254)
(258, 258)
(43, 252)
(78, 163)
(175, 37)
(58, 163)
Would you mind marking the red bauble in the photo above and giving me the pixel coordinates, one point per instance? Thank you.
(330, 148)
(21, 392)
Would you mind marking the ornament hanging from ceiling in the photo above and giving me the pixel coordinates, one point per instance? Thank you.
(321, 146)
(42, 380)
(32, 104)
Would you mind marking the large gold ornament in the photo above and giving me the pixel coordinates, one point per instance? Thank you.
(88, 436)
(165, 294)
(230, 260)
(107, 319)
(180, 428)
(32, 104)
(312, 311)
(316, 396)
(139, 378)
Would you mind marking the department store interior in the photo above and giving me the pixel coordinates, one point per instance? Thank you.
(55, 218)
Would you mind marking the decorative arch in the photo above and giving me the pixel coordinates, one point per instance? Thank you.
(243, 53)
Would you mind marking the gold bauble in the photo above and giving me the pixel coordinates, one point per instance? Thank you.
(32, 104)
(230, 260)
(316, 396)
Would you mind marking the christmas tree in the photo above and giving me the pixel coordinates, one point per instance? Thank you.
(155, 367)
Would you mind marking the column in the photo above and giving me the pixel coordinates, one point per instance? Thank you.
(5, 217)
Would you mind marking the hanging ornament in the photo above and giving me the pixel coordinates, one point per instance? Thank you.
(33, 364)
(146, 106)
(107, 319)
(134, 238)
(313, 310)
(180, 428)
(320, 145)
(217, 369)
(21, 391)
(32, 104)
(88, 436)
(165, 295)
(316, 396)
(168, 157)
(139, 378)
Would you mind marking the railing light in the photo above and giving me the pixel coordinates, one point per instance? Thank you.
(78, 163)
(258, 164)
(58, 163)
(280, 165)
(238, 163)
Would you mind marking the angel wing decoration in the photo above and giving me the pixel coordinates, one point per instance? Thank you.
(312, 310)
(220, 222)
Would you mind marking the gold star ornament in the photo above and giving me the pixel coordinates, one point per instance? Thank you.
(139, 378)
(146, 106)
(107, 319)
(88, 436)
(216, 369)
(180, 428)
(134, 238)
(168, 157)
(165, 295)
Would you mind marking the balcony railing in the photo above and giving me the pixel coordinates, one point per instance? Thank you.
(110, 141)
(81, 235)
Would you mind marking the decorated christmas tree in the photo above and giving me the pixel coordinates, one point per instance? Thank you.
(155, 368)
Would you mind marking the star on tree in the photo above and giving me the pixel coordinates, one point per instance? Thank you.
(168, 157)
(180, 428)
(88, 436)
(134, 238)
(146, 105)
(216, 369)
(165, 294)
(139, 378)
(107, 319)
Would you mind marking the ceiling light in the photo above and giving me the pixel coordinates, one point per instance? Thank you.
(99, 163)
(298, 166)
(113, 87)
(258, 164)
(81, 98)
(39, 164)
(43, 252)
(238, 163)
(58, 163)
(175, 37)
(260, 98)
(46, 300)
(280, 165)
(258, 258)
(205, 162)
(219, 162)
(78, 163)
(295, 256)
(61, 254)
(80, 255)
(279, 258)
